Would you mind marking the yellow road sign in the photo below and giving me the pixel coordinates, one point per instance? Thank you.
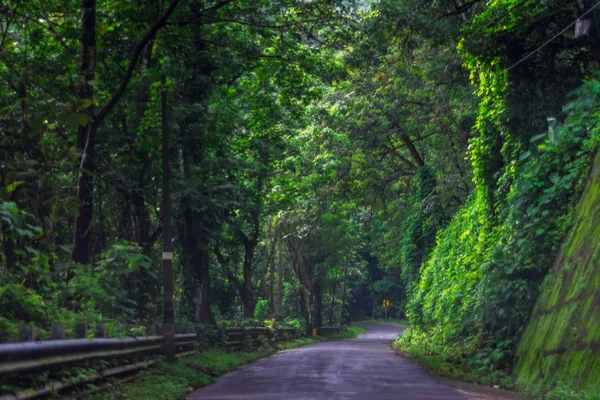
(386, 303)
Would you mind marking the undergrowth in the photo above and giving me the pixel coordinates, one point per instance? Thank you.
(168, 381)
(459, 367)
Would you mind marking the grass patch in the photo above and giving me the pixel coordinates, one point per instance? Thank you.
(298, 343)
(350, 332)
(386, 321)
(453, 363)
(449, 362)
(558, 392)
(166, 381)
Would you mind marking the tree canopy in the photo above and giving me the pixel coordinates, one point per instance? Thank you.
(325, 156)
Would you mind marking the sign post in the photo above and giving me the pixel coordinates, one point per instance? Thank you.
(386, 306)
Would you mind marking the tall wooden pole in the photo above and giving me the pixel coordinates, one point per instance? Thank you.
(167, 255)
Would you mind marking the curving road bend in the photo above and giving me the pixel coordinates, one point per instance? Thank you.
(363, 368)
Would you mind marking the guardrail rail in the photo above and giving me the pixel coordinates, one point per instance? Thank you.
(30, 357)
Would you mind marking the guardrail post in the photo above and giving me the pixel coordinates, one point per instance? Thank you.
(151, 330)
(26, 333)
(100, 330)
(58, 332)
(81, 330)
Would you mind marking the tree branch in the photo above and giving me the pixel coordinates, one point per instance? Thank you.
(232, 278)
(149, 36)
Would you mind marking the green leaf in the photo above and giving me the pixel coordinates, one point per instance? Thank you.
(537, 138)
(13, 186)
(85, 103)
(83, 119)
(525, 155)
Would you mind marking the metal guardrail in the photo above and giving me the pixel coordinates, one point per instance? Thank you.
(32, 357)
(236, 338)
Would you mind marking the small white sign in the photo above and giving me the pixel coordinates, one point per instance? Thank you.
(167, 255)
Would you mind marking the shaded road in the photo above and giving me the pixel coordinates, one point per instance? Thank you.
(363, 368)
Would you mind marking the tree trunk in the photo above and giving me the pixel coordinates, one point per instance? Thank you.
(317, 316)
(332, 303)
(142, 237)
(271, 266)
(247, 296)
(86, 137)
(24, 119)
(304, 309)
(199, 263)
(279, 297)
(309, 313)
(204, 311)
(167, 256)
(344, 288)
(8, 247)
(413, 150)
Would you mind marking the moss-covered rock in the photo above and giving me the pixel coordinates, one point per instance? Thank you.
(561, 344)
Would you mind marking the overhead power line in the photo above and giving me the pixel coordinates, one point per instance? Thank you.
(528, 56)
(553, 38)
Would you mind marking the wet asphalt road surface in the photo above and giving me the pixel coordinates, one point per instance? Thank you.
(362, 368)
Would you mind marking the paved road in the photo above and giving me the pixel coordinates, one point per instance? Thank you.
(363, 368)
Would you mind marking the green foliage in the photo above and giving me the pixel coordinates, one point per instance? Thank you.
(429, 349)
(168, 381)
(262, 310)
(558, 392)
(349, 332)
(326, 155)
(420, 228)
(479, 285)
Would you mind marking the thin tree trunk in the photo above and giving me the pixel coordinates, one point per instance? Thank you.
(317, 317)
(204, 313)
(309, 313)
(332, 302)
(271, 265)
(344, 288)
(279, 297)
(24, 119)
(86, 137)
(8, 247)
(167, 257)
(198, 259)
(247, 297)
(413, 150)
(142, 237)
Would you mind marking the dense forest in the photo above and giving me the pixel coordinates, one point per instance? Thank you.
(260, 162)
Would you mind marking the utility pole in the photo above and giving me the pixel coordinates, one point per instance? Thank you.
(167, 255)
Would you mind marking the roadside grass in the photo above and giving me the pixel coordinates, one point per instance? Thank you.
(386, 321)
(351, 332)
(559, 392)
(166, 381)
(459, 371)
(301, 342)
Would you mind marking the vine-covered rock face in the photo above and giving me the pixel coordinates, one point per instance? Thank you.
(562, 341)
